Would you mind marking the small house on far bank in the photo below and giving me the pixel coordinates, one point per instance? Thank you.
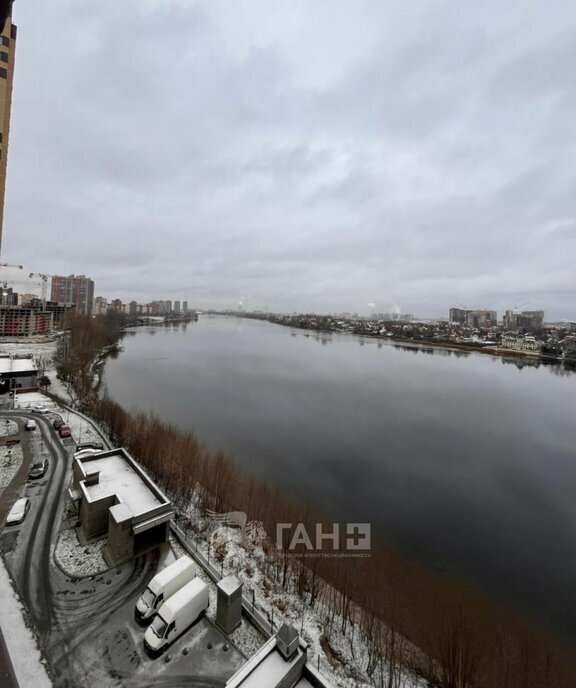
(115, 497)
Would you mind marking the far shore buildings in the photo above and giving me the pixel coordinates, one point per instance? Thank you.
(480, 318)
(532, 321)
(153, 308)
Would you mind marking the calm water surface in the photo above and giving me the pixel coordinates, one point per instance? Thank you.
(463, 460)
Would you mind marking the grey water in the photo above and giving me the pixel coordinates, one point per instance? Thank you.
(466, 462)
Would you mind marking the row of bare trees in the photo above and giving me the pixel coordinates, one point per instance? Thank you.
(76, 353)
(406, 617)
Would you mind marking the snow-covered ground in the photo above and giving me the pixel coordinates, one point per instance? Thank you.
(345, 664)
(79, 560)
(7, 428)
(82, 429)
(10, 460)
(27, 661)
(43, 353)
(246, 637)
(345, 667)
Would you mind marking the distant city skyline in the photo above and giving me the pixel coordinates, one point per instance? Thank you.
(308, 160)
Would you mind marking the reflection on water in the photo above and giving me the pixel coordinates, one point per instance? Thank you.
(464, 460)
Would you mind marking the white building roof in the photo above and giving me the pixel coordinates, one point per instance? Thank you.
(118, 477)
(17, 365)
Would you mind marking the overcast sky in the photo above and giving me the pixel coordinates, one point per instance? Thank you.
(317, 155)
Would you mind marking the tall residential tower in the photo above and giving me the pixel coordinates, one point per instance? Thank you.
(7, 52)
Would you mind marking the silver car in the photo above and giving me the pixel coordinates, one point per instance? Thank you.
(18, 511)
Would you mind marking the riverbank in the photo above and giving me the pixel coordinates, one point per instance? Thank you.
(233, 368)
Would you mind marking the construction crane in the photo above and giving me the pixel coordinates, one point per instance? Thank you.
(520, 305)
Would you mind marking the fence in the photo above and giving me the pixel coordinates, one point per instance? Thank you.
(267, 625)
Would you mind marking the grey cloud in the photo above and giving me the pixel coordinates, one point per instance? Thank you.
(354, 153)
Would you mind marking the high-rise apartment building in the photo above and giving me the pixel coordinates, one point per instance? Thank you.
(473, 318)
(76, 289)
(7, 53)
(100, 305)
(185, 307)
(176, 306)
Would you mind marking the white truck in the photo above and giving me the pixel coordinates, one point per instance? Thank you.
(176, 615)
(164, 584)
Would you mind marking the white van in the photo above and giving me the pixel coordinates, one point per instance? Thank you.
(176, 615)
(164, 584)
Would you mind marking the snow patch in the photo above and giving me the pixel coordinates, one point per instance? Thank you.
(10, 460)
(79, 560)
(22, 646)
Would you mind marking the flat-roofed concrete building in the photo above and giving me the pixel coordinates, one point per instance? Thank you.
(115, 497)
(280, 663)
(18, 374)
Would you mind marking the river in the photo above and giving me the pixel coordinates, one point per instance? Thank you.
(464, 461)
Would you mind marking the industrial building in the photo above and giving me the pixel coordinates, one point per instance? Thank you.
(18, 374)
(116, 498)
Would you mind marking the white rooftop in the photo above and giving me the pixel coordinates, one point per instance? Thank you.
(17, 365)
(118, 477)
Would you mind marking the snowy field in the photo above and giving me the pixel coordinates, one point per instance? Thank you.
(20, 641)
(348, 651)
(7, 428)
(246, 638)
(43, 353)
(10, 460)
(79, 560)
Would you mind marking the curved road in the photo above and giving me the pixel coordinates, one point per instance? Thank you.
(86, 625)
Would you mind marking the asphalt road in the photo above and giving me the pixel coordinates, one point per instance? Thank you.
(86, 625)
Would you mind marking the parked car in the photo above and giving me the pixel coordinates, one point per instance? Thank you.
(57, 423)
(98, 446)
(164, 584)
(86, 452)
(18, 511)
(176, 614)
(38, 469)
(30, 425)
(64, 431)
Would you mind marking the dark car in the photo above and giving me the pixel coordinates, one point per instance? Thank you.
(64, 431)
(38, 469)
(12, 442)
(57, 423)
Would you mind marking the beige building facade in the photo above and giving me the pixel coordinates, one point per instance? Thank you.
(7, 54)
